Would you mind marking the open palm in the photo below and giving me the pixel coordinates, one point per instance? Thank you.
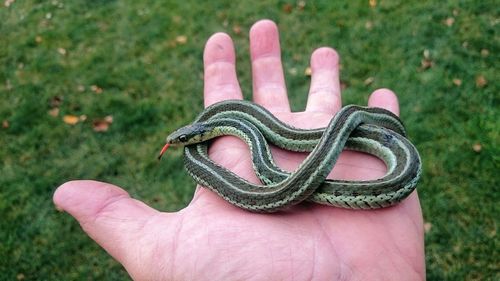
(213, 240)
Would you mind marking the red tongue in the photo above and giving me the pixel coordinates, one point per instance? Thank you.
(163, 150)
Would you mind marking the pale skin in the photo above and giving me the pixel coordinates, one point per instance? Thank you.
(213, 240)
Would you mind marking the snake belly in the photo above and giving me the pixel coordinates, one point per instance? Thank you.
(371, 130)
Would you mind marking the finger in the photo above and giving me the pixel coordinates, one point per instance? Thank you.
(106, 213)
(267, 72)
(324, 94)
(219, 60)
(384, 98)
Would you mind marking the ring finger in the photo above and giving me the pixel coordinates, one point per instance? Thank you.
(324, 93)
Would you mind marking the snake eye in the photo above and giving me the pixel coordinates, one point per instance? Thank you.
(183, 138)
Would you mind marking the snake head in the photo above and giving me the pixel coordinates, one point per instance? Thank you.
(190, 134)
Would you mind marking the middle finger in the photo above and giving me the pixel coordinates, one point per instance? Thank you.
(269, 89)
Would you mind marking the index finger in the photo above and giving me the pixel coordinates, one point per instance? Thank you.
(219, 62)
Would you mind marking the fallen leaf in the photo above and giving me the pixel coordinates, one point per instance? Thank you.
(237, 29)
(449, 21)
(20, 276)
(96, 89)
(477, 147)
(70, 119)
(61, 51)
(343, 85)
(5, 124)
(427, 54)
(55, 101)
(181, 39)
(54, 112)
(481, 81)
(457, 82)
(427, 227)
(372, 3)
(38, 39)
(308, 71)
(425, 63)
(369, 80)
(287, 8)
(301, 5)
(7, 3)
(102, 125)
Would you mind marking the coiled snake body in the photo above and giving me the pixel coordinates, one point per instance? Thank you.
(371, 130)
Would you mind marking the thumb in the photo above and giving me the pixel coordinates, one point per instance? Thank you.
(109, 216)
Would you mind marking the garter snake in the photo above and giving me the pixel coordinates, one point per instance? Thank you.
(371, 130)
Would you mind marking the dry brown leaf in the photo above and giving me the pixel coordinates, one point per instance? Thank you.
(481, 81)
(102, 125)
(343, 85)
(426, 63)
(181, 39)
(287, 8)
(54, 112)
(449, 21)
(237, 29)
(70, 119)
(427, 227)
(308, 71)
(457, 82)
(476, 147)
(372, 3)
(96, 89)
(5, 124)
(56, 101)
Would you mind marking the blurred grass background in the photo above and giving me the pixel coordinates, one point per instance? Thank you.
(133, 70)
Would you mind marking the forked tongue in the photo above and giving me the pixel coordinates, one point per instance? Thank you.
(163, 150)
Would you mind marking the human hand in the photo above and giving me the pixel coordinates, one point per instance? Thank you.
(213, 240)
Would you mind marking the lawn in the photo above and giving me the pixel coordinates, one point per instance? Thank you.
(89, 89)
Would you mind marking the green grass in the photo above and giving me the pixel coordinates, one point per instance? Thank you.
(152, 84)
